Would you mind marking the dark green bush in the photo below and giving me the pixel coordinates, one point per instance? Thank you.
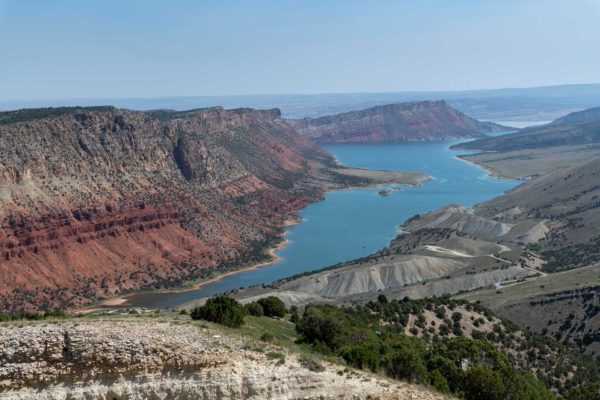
(255, 309)
(438, 381)
(331, 328)
(272, 306)
(295, 316)
(362, 355)
(221, 309)
(483, 383)
(267, 337)
(404, 358)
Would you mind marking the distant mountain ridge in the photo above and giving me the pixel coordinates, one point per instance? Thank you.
(589, 115)
(519, 104)
(403, 122)
(577, 128)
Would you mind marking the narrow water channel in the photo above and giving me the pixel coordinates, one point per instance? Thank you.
(354, 223)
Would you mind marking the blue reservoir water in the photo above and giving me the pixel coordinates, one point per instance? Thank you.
(354, 223)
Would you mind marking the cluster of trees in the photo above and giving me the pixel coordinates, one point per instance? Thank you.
(268, 306)
(488, 365)
(469, 368)
(31, 316)
(227, 311)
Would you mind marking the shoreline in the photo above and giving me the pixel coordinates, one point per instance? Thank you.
(415, 179)
(122, 301)
(292, 218)
(497, 175)
(489, 172)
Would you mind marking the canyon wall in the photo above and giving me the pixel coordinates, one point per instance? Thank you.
(97, 201)
(404, 122)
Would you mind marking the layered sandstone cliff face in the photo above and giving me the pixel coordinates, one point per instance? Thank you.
(95, 201)
(159, 360)
(404, 122)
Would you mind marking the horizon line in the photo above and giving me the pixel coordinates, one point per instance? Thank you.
(297, 94)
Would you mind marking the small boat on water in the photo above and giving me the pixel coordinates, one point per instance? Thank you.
(384, 192)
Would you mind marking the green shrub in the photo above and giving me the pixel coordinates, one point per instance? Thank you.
(382, 299)
(272, 306)
(294, 317)
(362, 355)
(267, 337)
(440, 312)
(438, 381)
(483, 383)
(275, 355)
(255, 309)
(221, 309)
(404, 359)
(330, 328)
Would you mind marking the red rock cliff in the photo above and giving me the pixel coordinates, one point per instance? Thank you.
(405, 122)
(97, 201)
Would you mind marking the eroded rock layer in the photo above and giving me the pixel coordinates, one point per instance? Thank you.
(404, 122)
(95, 201)
(157, 360)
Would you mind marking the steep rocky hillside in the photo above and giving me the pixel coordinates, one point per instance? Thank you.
(145, 359)
(95, 201)
(404, 122)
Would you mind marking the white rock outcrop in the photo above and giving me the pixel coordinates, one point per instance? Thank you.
(165, 360)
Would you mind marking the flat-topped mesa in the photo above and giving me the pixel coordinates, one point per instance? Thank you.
(97, 200)
(403, 122)
(217, 118)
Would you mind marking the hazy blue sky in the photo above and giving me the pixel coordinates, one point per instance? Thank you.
(141, 48)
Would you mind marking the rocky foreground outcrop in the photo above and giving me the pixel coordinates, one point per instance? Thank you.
(161, 360)
(404, 122)
(96, 201)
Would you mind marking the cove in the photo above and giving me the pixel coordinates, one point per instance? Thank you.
(353, 223)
